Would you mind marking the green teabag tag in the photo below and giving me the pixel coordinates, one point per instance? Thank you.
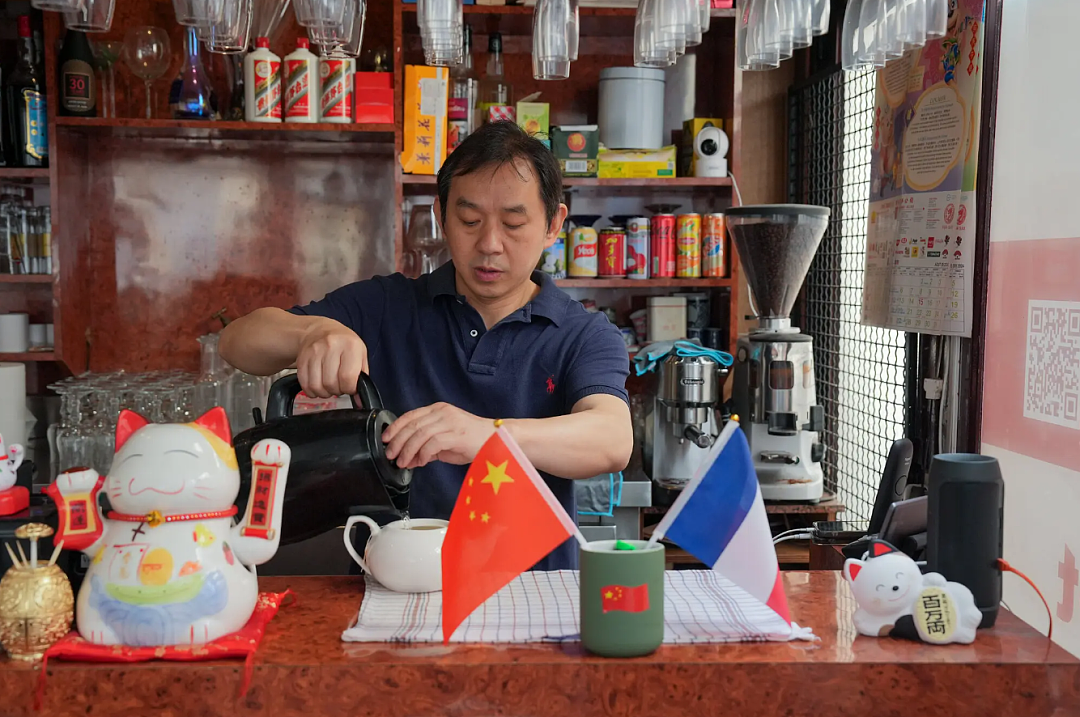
(622, 545)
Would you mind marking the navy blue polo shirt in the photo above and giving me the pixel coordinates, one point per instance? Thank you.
(426, 344)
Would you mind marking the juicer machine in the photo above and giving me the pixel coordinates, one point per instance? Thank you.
(774, 386)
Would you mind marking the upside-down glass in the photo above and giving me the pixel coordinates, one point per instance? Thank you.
(937, 18)
(551, 39)
(851, 48)
(198, 13)
(319, 13)
(912, 14)
(106, 53)
(330, 38)
(762, 35)
(441, 28)
(647, 52)
(230, 36)
(574, 29)
(356, 37)
(799, 23)
(821, 17)
(266, 16)
(93, 16)
(57, 5)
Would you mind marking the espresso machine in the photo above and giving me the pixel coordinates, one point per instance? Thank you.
(684, 424)
(774, 390)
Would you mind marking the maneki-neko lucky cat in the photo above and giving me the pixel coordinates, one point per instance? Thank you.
(167, 562)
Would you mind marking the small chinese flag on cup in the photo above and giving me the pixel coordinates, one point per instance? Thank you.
(627, 599)
(506, 519)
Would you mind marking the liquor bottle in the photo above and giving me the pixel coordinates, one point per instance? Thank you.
(462, 107)
(25, 100)
(262, 84)
(191, 95)
(494, 90)
(78, 90)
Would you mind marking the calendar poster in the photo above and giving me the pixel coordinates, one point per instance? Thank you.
(921, 227)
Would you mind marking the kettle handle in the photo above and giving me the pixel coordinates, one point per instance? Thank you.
(279, 402)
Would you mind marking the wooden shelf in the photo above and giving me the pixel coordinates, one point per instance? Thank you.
(657, 183)
(605, 283)
(26, 279)
(24, 173)
(237, 130)
(29, 356)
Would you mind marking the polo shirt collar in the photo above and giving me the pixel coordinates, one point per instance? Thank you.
(550, 302)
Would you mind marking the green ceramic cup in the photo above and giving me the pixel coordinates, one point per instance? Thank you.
(622, 598)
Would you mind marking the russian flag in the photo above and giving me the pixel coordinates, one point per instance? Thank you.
(720, 519)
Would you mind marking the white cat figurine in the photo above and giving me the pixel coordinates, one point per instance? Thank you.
(167, 563)
(895, 598)
(9, 464)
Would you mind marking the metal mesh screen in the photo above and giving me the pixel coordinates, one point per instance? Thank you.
(860, 370)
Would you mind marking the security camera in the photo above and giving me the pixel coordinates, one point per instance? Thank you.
(710, 152)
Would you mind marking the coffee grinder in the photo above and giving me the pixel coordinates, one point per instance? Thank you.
(774, 389)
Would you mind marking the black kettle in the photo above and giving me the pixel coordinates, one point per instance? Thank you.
(339, 465)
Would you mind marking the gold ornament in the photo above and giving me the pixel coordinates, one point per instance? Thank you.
(36, 601)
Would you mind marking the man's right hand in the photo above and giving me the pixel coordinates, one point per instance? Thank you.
(330, 360)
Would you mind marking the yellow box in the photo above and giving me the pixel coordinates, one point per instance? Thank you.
(424, 147)
(637, 163)
(686, 148)
(534, 118)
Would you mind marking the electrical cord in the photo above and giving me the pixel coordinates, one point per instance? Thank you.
(1004, 566)
(793, 535)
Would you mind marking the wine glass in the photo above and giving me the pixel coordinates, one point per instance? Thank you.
(148, 55)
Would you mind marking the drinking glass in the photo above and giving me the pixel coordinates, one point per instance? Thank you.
(199, 13)
(266, 16)
(106, 53)
(93, 16)
(147, 54)
(551, 39)
(647, 49)
(356, 37)
(937, 18)
(573, 31)
(331, 38)
(319, 13)
(852, 51)
(230, 35)
(820, 22)
(57, 5)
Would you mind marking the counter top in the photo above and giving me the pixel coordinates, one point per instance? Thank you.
(303, 668)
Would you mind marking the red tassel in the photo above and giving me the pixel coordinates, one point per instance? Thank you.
(249, 668)
(39, 693)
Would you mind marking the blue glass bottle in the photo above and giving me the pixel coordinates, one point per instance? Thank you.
(191, 95)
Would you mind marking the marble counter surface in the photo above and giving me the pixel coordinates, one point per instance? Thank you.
(303, 668)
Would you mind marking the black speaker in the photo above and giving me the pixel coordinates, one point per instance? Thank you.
(965, 528)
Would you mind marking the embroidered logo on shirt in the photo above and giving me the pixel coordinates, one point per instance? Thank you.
(551, 384)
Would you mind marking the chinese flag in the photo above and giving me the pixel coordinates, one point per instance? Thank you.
(506, 519)
(627, 599)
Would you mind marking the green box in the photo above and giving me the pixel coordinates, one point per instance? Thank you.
(577, 148)
(534, 118)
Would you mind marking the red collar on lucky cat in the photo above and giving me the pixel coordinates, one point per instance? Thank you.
(155, 518)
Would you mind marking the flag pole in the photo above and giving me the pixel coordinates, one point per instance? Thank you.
(688, 491)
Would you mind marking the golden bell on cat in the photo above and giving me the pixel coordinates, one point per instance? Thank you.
(36, 602)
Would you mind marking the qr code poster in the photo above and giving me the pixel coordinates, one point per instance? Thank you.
(1052, 364)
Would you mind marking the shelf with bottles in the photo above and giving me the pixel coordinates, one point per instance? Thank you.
(425, 183)
(207, 129)
(22, 279)
(9, 174)
(662, 283)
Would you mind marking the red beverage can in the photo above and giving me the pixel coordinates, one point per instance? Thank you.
(637, 248)
(612, 252)
(713, 246)
(662, 229)
(688, 246)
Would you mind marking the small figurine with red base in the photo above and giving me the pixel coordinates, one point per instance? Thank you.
(13, 498)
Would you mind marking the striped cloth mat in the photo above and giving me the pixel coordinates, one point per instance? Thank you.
(699, 606)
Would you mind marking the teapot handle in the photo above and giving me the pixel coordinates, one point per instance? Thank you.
(353, 520)
(279, 402)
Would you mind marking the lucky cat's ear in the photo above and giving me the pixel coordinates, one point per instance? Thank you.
(880, 547)
(852, 568)
(217, 422)
(126, 424)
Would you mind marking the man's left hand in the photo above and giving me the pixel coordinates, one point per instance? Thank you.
(439, 432)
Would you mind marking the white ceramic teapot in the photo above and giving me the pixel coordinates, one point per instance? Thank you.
(403, 557)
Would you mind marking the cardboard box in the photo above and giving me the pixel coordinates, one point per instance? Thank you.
(577, 148)
(686, 148)
(373, 97)
(637, 163)
(534, 117)
(424, 148)
(500, 113)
